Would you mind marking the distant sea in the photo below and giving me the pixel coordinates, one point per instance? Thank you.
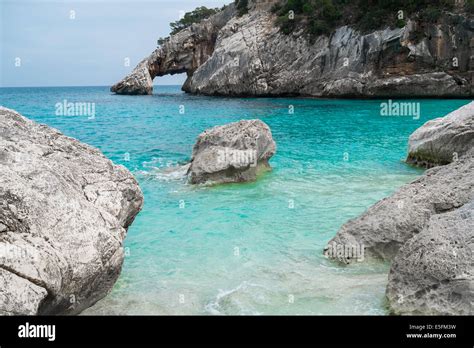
(252, 248)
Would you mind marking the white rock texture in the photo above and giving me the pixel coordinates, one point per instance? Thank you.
(235, 152)
(64, 213)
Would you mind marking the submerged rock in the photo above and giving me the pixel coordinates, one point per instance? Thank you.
(442, 140)
(433, 274)
(235, 152)
(65, 209)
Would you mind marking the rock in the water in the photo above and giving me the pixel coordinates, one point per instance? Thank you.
(388, 224)
(442, 140)
(138, 82)
(235, 152)
(427, 226)
(433, 273)
(65, 209)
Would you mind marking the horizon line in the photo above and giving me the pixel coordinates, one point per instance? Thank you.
(162, 84)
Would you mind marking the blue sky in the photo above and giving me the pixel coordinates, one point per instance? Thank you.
(41, 45)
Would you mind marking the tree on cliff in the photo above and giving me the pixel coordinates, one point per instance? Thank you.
(192, 17)
(242, 7)
(189, 18)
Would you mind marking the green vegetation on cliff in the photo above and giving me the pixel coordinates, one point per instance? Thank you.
(470, 6)
(242, 7)
(192, 17)
(189, 18)
(322, 16)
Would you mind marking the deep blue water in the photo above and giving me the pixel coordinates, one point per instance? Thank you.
(242, 248)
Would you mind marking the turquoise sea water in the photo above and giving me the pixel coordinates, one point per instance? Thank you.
(251, 248)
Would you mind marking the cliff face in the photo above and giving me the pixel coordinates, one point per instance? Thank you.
(184, 52)
(248, 55)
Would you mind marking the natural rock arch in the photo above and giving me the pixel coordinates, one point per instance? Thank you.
(183, 52)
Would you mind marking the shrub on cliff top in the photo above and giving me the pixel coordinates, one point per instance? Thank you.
(242, 7)
(470, 6)
(322, 16)
(192, 17)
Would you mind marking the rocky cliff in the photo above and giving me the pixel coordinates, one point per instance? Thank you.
(248, 55)
(64, 213)
(183, 52)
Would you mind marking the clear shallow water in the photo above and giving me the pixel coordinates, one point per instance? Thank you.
(241, 248)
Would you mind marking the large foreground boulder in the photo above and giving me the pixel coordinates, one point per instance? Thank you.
(426, 227)
(64, 212)
(389, 223)
(434, 271)
(442, 140)
(235, 152)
